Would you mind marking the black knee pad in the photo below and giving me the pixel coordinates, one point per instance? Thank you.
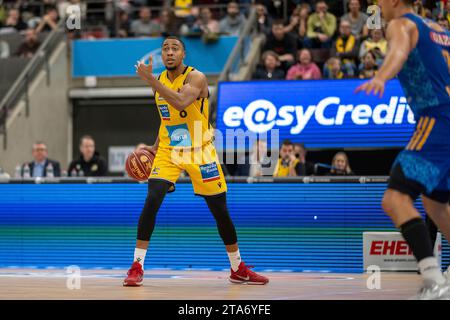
(157, 190)
(217, 204)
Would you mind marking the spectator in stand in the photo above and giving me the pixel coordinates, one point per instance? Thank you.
(282, 43)
(299, 22)
(443, 22)
(90, 163)
(189, 26)
(306, 167)
(124, 30)
(376, 41)
(170, 25)
(263, 20)
(321, 27)
(369, 66)
(41, 166)
(419, 8)
(287, 165)
(270, 68)
(253, 164)
(234, 21)
(14, 21)
(341, 165)
(144, 26)
(346, 48)
(357, 19)
(207, 24)
(49, 22)
(305, 69)
(333, 69)
(182, 8)
(28, 47)
(4, 49)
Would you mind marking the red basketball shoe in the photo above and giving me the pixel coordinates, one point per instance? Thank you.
(135, 276)
(245, 275)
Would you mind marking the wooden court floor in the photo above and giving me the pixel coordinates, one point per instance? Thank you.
(200, 285)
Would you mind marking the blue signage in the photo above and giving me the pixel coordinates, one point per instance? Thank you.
(117, 57)
(318, 113)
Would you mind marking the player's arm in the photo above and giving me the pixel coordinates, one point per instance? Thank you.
(399, 35)
(179, 100)
(195, 83)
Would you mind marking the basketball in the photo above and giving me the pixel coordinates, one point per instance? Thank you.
(139, 164)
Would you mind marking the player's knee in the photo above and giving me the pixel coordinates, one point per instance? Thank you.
(391, 202)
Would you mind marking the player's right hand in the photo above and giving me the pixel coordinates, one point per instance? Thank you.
(375, 85)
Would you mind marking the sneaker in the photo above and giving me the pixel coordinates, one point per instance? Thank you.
(245, 275)
(433, 291)
(135, 276)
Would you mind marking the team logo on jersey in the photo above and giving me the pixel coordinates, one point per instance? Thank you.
(209, 172)
(155, 171)
(179, 135)
(164, 109)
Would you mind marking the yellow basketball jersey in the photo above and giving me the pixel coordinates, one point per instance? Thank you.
(188, 128)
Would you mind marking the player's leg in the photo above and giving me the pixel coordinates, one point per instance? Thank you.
(161, 181)
(398, 203)
(209, 182)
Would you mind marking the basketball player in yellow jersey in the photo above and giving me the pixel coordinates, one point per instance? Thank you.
(185, 142)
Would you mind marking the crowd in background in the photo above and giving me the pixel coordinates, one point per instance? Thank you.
(317, 43)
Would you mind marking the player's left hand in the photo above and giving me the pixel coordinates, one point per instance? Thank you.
(145, 70)
(375, 85)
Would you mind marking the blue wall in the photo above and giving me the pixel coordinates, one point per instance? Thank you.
(280, 226)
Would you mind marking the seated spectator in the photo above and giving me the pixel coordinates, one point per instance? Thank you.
(341, 165)
(305, 69)
(187, 28)
(144, 26)
(263, 20)
(321, 27)
(14, 21)
(369, 66)
(282, 43)
(287, 165)
(443, 22)
(333, 69)
(41, 166)
(49, 22)
(28, 47)
(124, 29)
(270, 70)
(90, 163)
(419, 9)
(182, 8)
(170, 25)
(234, 21)
(346, 48)
(299, 22)
(206, 23)
(306, 167)
(4, 49)
(376, 40)
(253, 164)
(357, 19)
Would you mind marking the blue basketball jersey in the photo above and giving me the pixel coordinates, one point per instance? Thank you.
(425, 77)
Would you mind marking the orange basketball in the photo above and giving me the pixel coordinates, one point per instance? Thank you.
(139, 164)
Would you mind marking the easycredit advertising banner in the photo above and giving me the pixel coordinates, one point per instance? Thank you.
(117, 57)
(319, 113)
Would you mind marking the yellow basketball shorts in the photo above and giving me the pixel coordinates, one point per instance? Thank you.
(201, 164)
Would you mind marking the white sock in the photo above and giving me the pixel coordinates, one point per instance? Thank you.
(139, 256)
(235, 259)
(429, 268)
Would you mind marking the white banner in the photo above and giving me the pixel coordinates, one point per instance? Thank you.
(390, 252)
(117, 157)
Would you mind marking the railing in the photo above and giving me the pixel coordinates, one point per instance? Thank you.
(236, 60)
(267, 179)
(20, 87)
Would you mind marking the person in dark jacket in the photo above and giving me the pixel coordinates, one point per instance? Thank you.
(41, 166)
(90, 163)
(270, 68)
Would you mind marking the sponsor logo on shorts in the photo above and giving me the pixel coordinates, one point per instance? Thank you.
(209, 172)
